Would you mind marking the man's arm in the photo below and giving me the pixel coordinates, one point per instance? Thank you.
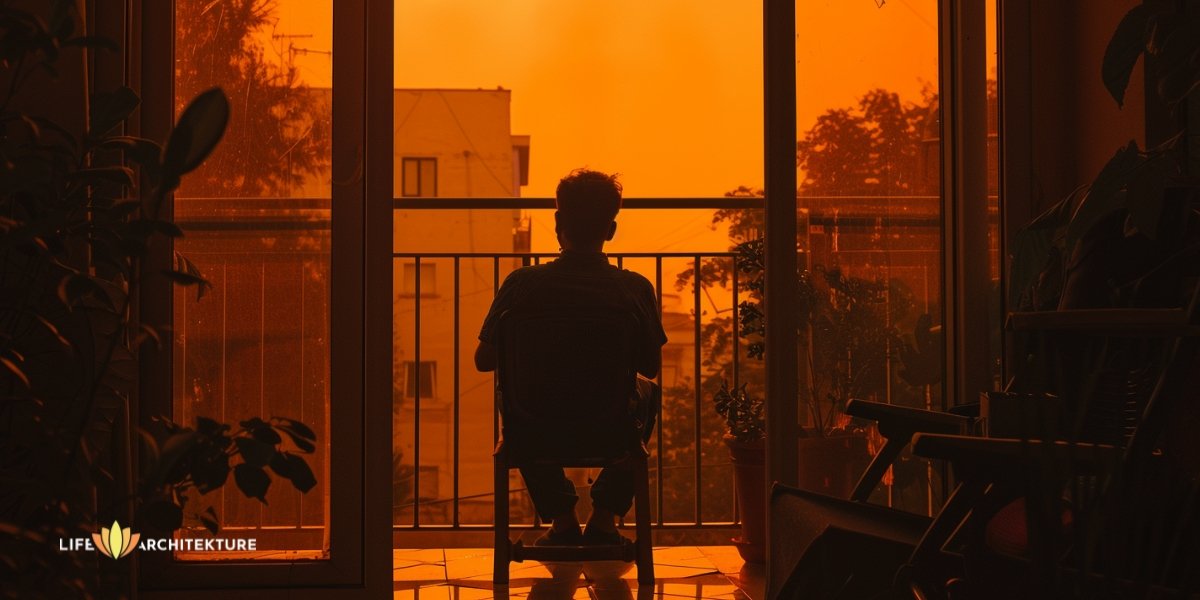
(506, 297)
(485, 357)
(649, 365)
(651, 359)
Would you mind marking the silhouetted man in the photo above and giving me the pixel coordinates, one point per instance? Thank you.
(588, 202)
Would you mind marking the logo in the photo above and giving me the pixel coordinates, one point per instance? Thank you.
(118, 542)
(115, 542)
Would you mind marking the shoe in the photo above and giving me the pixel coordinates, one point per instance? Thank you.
(560, 538)
(596, 537)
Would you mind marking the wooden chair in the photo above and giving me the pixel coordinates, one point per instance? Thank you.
(1095, 509)
(564, 383)
(848, 547)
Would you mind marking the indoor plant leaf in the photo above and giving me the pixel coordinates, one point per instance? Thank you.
(1126, 45)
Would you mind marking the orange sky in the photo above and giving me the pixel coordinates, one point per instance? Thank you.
(667, 92)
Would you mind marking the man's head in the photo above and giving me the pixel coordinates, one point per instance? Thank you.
(588, 202)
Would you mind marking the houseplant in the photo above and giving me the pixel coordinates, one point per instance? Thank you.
(746, 439)
(81, 210)
(1120, 240)
(846, 326)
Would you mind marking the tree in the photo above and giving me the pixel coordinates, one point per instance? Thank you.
(871, 150)
(279, 128)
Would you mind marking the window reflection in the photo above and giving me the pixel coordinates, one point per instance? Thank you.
(256, 222)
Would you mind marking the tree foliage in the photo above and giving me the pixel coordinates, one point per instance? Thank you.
(278, 132)
(873, 149)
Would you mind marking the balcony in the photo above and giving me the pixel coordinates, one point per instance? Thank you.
(444, 422)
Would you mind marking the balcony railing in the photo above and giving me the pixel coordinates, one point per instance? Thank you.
(414, 291)
(436, 316)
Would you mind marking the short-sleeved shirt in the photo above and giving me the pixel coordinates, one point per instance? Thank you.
(579, 279)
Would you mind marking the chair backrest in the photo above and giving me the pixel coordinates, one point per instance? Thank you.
(565, 379)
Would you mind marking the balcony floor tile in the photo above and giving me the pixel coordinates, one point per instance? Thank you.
(707, 572)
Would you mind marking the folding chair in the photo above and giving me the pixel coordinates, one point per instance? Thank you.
(564, 385)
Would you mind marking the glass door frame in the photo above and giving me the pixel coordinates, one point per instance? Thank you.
(359, 562)
(965, 283)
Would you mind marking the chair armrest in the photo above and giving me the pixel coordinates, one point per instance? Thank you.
(1008, 454)
(1137, 322)
(902, 421)
(897, 424)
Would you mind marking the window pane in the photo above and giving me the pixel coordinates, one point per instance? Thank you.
(869, 201)
(510, 98)
(412, 177)
(256, 218)
(429, 177)
(996, 302)
(666, 93)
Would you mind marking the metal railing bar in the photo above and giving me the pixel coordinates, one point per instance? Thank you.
(457, 353)
(699, 394)
(737, 350)
(541, 255)
(527, 258)
(548, 203)
(529, 526)
(658, 454)
(184, 203)
(737, 338)
(416, 391)
(495, 405)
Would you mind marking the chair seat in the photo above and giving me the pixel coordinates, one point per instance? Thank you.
(831, 541)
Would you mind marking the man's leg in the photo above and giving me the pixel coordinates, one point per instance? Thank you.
(612, 491)
(553, 497)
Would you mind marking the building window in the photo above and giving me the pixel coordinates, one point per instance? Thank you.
(426, 379)
(418, 177)
(427, 277)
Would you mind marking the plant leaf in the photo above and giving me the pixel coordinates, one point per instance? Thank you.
(1127, 44)
(117, 175)
(1103, 197)
(197, 133)
(256, 453)
(301, 435)
(209, 519)
(253, 481)
(184, 278)
(110, 109)
(294, 469)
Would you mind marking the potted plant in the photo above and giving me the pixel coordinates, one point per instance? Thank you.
(746, 439)
(846, 326)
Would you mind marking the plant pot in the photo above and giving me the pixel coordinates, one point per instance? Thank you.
(749, 480)
(832, 464)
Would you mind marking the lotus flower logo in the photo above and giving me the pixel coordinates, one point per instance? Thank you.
(115, 542)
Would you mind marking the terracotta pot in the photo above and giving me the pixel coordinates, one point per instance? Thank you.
(749, 479)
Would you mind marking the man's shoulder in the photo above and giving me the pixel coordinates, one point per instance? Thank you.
(634, 279)
(526, 273)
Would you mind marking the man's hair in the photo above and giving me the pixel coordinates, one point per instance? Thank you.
(587, 202)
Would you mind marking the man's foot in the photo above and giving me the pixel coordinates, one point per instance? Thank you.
(596, 536)
(563, 536)
(564, 531)
(602, 529)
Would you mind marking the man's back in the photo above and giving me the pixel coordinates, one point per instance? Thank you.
(583, 280)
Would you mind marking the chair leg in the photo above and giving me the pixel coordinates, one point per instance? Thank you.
(503, 545)
(645, 543)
